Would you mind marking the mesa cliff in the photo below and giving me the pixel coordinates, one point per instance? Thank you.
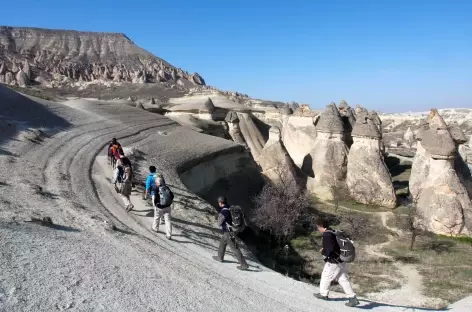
(50, 57)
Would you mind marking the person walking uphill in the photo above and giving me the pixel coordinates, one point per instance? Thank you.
(334, 268)
(162, 200)
(225, 221)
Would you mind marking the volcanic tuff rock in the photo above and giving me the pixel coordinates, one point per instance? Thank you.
(234, 131)
(274, 160)
(368, 179)
(80, 56)
(347, 115)
(298, 136)
(442, 201)
(251, 134)
(329, 154)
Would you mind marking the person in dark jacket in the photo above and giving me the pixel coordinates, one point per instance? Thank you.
(334, 268)
(228, 238)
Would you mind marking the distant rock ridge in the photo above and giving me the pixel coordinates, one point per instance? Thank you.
(48, 55)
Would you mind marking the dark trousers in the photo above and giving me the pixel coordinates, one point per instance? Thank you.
(228, 239)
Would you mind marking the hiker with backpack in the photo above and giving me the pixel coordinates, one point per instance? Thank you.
(113, 146)
(162, 200)
(126, 187)
(337, 250)
(231, 220)
(148, 190)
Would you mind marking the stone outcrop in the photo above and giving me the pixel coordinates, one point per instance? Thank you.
(442, 201)
(234, 131)
(274, 160)
(298, 136)
(460, 162)
(304, 111)
(286, 110)
(349, 119)
(368, 179)
(251, 134)
(81, 56)
(329, 155)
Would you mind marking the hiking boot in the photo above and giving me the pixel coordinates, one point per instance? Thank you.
(243, 268)
(320, 296)
(129, 207)
(155, 229)
(217, 259)
(352, 302)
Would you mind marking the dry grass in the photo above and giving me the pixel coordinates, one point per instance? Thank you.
(445, 264)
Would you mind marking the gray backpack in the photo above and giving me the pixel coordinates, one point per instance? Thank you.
(165, 198)
(346, 245)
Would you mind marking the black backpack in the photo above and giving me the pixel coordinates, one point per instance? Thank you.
(346, 246)
(165, 198)
(237, 217)
(121, 172)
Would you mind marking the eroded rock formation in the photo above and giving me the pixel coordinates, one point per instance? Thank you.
(349, 119)
(460, 162)
(234, 131)
(329, 154)
(275, 161)
(251, 134)
(52, 55)
(368, 179)
(442, 201)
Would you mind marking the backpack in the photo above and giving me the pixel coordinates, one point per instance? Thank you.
(121, 172)
(166, 197)
(346, 246)
(237, 217)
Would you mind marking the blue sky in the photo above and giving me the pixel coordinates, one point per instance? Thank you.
(384, 54)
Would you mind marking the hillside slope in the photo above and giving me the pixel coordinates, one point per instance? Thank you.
(44, 56)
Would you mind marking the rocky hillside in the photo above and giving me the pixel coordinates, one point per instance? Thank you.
(56, 57)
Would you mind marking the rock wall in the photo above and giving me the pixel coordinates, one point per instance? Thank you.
(232, 174)
(298, 136)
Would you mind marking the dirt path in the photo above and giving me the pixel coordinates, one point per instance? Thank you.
(410, 293)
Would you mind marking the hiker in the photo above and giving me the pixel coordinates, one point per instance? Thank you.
(162, 200)
(112, 146)
(125, 162)
(229, 236)
(126, 186)
(150, 183)
(334, 268)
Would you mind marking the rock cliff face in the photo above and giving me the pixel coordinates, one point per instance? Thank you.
(368, 179)
(49, 57)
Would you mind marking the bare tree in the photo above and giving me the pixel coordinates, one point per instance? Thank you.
(281, 206)
(413, 224)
